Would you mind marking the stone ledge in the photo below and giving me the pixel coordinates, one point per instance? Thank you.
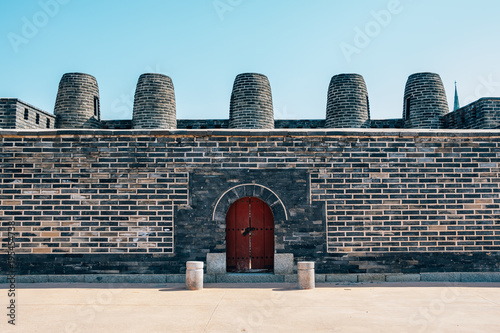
(250, 278)
(375, 277)
(480, 277)
(463, 277)
(440, 277)
(341, 278)
(403, 278)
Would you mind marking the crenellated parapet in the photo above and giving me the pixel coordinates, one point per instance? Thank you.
(424, 101)
(251, 107)
(77, 102)
(348, 105)
(154, 103)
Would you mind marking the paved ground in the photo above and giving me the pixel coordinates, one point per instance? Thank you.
(384, 307)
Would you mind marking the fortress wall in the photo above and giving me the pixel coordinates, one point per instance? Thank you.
(8, 110)
(356, 201)
(77, 102)
(482, 114)
(16, 114)
(424, 101)
(154, 103)
(251, 104)
(223, 123)
(387, 123)
(347, 102)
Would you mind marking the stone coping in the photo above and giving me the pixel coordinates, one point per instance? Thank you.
(463, 277)
(383, 132)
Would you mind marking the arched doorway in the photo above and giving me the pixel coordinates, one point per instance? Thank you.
(249, 236)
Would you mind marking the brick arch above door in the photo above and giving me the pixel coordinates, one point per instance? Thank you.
(262, 192)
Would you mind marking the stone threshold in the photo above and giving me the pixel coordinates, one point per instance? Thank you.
(465, 277)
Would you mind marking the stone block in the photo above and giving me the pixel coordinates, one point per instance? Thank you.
(176, 278)
(216, 263)
(341, 278)
(32, 279)
(480, 277)
(250, 278)
(101, 278)
(146, 278)
(291, 278)
(123, 278)
(283, 263)
(402, 277)
(320, 278)
(371, 277)
(66, 278)
(440, 277)
(209, 278)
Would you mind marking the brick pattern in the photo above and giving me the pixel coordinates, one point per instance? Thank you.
(116, 124)
(224, 124)
(482, 114)
(90, 194)
(112, 191)
(387, 123)
(202, 123)
(13, 114)
(8, 110)
(427, 101)
(348, 105)
(154, 103)
(412, 194)
(299, 123)
(75, 102)
(251, 103)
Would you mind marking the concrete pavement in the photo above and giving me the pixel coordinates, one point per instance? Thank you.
(369, 307)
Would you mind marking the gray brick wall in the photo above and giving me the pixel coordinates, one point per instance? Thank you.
(424, 101)
(482, 114)
(224, 123)
(299, 123)
(251, 103)
(347, 105)
(354, 201)
(116, 124)
(8, 110)
(20, 115)
(202, 123)
(387, 123)
(77, 102)
(154, 102)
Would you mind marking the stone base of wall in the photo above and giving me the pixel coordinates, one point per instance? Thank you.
(456, 277)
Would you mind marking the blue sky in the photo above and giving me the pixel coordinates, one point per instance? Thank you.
(203, 44)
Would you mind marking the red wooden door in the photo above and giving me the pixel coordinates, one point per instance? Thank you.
(249, 236)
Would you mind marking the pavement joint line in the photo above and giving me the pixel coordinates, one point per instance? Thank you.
(213, 312)
(489, 300)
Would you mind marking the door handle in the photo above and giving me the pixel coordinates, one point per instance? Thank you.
(247, 231)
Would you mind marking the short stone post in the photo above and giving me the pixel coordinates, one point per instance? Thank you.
(194, 275)
(306, 274)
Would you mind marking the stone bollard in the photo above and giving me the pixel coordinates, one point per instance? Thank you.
(306, 274)
(194, 275)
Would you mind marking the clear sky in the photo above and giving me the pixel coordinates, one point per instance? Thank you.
(203, 44)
